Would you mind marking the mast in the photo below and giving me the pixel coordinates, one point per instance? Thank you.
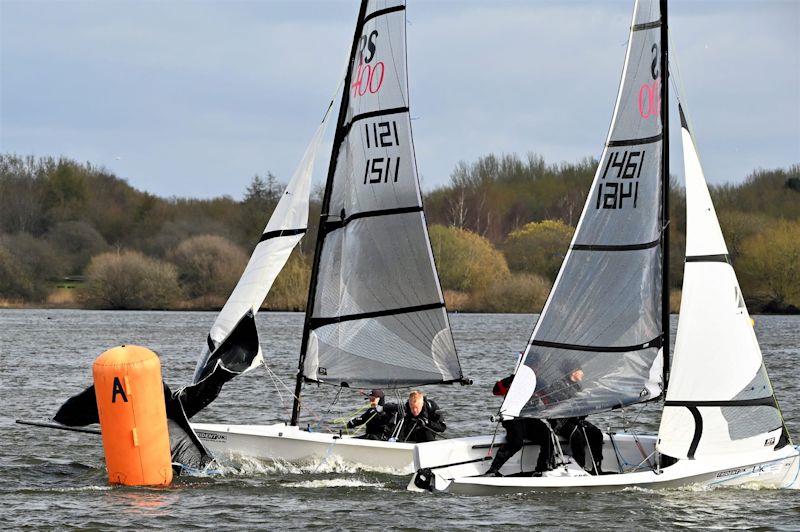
(665, 191)
(337, 141)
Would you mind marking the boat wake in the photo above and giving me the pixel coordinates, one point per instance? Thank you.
(248, 466)
(336, 483)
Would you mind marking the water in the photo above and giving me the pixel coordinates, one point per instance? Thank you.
(56, 479)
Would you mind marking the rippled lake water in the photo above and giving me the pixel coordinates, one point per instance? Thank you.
(57, 479)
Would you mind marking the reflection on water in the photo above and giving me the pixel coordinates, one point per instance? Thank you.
(50, 478)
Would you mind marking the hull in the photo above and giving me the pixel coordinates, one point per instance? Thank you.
(625, 464)
(283, 443)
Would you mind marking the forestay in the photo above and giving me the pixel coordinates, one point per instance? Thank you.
(376, 311)
(603, 315)
(284, 230)
(720, 399)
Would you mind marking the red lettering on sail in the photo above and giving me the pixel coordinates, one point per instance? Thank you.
(368, 78)
(650, 99)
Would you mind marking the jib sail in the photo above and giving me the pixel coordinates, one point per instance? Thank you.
(720, 399)
(283, 232)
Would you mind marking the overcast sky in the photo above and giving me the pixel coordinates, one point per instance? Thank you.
(192, 98)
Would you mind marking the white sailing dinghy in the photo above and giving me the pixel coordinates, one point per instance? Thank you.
(607, 314)
(375, 316)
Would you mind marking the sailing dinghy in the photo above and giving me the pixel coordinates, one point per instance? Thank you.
(607, 314)
(375, 316)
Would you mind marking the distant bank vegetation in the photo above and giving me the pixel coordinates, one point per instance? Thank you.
(75, 235)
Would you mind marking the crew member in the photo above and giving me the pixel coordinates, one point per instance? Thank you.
(422, 421)
(380, 418)
(517, 431)
(576, 430)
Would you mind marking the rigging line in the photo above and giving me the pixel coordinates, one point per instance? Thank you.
(646, 459)
(275, 384)
(494, 436)
(336, 398)
(641, 450)
(625, 424)
(311, 410)
(640, 409)
(616, 452)
(351, 415)
(591, 454)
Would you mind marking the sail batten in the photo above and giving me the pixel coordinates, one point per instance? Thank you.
(598, 342)
(615, 247)
(655, 342)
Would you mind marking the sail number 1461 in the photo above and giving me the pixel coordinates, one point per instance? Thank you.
(613, 194)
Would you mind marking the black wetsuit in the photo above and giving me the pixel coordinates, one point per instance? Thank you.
(576, 430)
(380, 425)
(517, 431)
(425, 426)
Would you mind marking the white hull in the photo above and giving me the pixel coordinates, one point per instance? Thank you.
(283, 443)
(456, 465)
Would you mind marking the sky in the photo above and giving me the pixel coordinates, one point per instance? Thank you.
(192, 98)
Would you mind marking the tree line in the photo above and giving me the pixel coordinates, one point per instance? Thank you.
(75, 235)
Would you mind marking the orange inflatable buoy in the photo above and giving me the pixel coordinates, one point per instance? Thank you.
(133, 416)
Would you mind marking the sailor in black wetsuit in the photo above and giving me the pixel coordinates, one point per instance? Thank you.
(517, 431)
(380, 418)
(576, 430)
(422, 421)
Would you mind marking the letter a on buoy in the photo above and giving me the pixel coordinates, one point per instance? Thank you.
(133, 416)
(118, 389)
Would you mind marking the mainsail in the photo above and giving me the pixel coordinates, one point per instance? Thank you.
(597, 344)
(283, 232)
(376, 315)
(720, 399)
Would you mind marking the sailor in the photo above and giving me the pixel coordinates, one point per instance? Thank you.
(576, 430)
(380, 418)
(517, 431)
(581, 434)
(423, 420)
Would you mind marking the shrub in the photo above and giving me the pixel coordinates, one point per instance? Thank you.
(738, 226)
(15, 281)
(466, 261)
(770, 265)
(208, 266)
(456, 301)
(129, 280)
(538, 248)
(519, 292)
(290, 291)
(77, 242)
(31, 264)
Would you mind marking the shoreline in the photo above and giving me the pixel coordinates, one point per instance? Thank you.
(31, 306)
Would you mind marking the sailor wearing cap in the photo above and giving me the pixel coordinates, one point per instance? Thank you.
(380, 418)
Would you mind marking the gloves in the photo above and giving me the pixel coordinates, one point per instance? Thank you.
(422, 421)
